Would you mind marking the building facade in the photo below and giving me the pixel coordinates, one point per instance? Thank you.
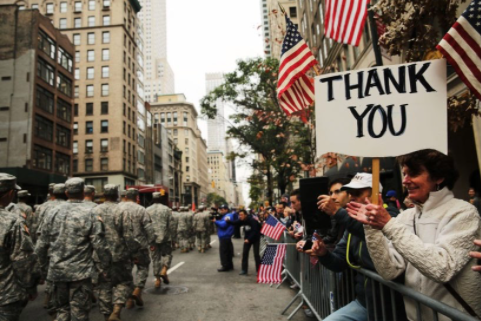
(36, 100)
(216, 126)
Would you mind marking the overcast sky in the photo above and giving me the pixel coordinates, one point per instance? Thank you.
(210, 36)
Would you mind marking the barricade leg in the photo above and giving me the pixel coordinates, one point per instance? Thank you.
(292, 301)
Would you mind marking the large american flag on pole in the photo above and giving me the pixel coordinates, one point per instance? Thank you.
(345, 20)
(295, 91)
(271, 264)
(461, 46)
(272, 228)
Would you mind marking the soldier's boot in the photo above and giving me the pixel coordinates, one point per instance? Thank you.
(157, 282)
(137, 294)
(163, 275)
(115, 316)
(94, 298)
(130, 303)
(46, 300)
(209, 246)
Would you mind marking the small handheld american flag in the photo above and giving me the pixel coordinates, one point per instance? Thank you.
(272, 228)
(314, 259)
(271, 264)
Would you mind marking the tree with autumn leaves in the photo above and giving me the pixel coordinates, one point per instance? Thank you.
(281, 145)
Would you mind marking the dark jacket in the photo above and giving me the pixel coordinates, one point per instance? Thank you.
(252, 228)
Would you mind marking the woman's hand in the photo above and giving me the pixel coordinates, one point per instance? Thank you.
(369, 214)
(318, 248)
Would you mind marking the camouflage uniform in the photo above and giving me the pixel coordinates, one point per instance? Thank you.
(183, 230)
(26, 209)
(17, 259)
(69, 235)
(191, 231)
(210, 228)
(173, 230)
(117, 289)
(200, 229)
(161, 250)
(138, 225)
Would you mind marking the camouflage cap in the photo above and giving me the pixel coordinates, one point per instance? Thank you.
(89, 189)
(59, 189)
(111, 190)
(132, 192)
(75, 185)
(156, 195)
(23, 193)
(123, 193)
(8, 182)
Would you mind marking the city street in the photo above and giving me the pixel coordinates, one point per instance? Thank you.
(203, 294)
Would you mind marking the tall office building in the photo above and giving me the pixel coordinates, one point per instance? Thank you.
(36, 100)
(216, 127)
(159, 76)
(110, 115)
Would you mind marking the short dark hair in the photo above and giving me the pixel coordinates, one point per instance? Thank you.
(436, 163)
(297, 193)
(342, 180)
(284, 204)
(245, 212)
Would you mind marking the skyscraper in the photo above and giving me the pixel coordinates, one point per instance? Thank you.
(216, 126)
(159, 77)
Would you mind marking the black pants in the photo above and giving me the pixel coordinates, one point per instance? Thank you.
(226, 251)
(245, 255)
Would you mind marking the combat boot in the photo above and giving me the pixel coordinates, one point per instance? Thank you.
(138, 297)
(157, 282)
(130, 303)
(163, 275)
(115, 316)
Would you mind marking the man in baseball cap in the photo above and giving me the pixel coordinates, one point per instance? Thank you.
(360, 187)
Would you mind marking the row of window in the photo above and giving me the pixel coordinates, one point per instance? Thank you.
(89, 146)
(91, 55)
(91, 72)
(77, 38)
(45, 100)
(89, 108)
(89, 165)
(42, 158)
(63, 6)
(90, 90)
(47, 72)
(89, 127)
(77, 22)
(45, 129)
(48, 46)
(171, 118)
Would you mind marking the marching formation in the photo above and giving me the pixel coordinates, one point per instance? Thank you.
(77, 247)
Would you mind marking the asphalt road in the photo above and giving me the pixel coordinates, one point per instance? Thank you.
(203, 294)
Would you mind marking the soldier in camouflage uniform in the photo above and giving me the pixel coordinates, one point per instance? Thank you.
(89, 196)
(191, 231)
(161, 249)
(200, 229)
(114, 292)
(69, 235)
(183, 230)
(138, 224)
(173, 228)
(17, 256)
(26, 209)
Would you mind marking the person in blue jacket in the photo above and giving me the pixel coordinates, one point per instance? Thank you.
(225, 232)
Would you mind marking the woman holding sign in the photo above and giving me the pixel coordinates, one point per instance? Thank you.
(430, 242)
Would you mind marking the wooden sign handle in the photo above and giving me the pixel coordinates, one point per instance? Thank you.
(375, 181)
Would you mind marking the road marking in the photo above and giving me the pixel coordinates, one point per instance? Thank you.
(213, 242)
(172, 269)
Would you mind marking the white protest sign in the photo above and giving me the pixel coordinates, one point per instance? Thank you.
(383, 111)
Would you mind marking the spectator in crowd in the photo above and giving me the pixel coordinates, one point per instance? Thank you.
(280, 212)
(225, 232)
(392, 201)
(252, 235)
(285, 199)
(431, 242)
(298, 230)
(474, 199)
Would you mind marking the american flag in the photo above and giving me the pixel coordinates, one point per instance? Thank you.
(345, 20)
(295, 91)
(272, 228)
(271, 264)
(461, 46)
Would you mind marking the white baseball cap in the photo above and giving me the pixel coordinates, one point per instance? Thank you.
(361, 180)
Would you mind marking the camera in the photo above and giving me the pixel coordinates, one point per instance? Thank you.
(214, 214)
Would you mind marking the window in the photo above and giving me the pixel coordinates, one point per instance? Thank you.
(89, 146)
(90, 55)
(162, 118)
(104, 108)
(64, 84)
(104, 145)
(105, 54)
(89, 109)
(45, 71)
(65, 59)
(175, 118)
(76, 39)
(62, 163)
(186, 141)
(105, 90)
(75, 165)
(62, 24)
(43, 128)
(89, 165)
(98, 182)
(77, 74)
(185, 118)
(63, 136)
(91, 21)
(42, 157)
(76, 92)
(78, 6)
(175, 132)
(90, 90)
(105, 71)
(34, 6)
(75, 110)
(106, 3)
(64, 110)
(125, 126)
(293, 12)
(50, 8)
(91, 5)
(75, 147)
(141, 173)
(106, 20)
(187, 159)
(89, 127)
(128, 130)
(90, 72)
(91, 38)
(44, 100)
(104, 126)
(46, 44)
(187, 168)
(75, 128)
(169, 118)
(104, 164)
(77, 23)
(106, 37)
